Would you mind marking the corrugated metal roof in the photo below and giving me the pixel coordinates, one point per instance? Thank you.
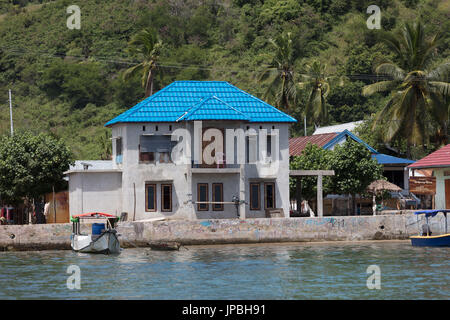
(222, 101)
(92, 164)
(387, 159)
(437, 159)
(296, 145)
(350, 126)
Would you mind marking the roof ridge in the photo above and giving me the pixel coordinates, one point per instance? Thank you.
(196, 107)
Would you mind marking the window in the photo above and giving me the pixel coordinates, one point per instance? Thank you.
(166, 197)
(217, 196)
(202, 196)
(269, 195)
(119, 150)
(152, 148)
(150, 197)
(269, 145)
(254, 196)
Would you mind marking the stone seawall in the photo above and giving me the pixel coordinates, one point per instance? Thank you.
(226, 231)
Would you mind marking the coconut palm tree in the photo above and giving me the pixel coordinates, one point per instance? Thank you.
(317, 86)
(416, 91)
(282, 89)
(146, 45)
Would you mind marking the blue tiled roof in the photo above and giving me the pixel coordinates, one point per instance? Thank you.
(386, 159)
(201, 100)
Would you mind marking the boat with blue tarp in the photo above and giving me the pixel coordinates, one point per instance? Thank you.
(425, 237)
(103, 238)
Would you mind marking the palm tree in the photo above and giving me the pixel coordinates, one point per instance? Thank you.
(282, 88)
(317, 85)
(416, 91)
(147, 46)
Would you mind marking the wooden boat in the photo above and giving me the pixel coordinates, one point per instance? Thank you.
(428, 240)
(103, 238)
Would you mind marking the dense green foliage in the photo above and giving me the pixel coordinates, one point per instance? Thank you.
(31, 165)
(69, 82)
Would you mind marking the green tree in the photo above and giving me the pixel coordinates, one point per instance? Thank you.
(31, 165)
(282, 89)
(354, 169)
(313, 157)
(317, 86)
(147, 46)
(416, 91)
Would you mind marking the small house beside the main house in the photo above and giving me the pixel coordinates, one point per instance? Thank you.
(439, 163)
(246, 175)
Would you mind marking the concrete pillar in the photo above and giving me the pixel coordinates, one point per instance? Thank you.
(406, 179)
(319, 196)
(242, 206)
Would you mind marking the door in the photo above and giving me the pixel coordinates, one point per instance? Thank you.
(447, 194)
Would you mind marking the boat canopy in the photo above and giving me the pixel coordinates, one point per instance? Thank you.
(94, 215)
(432, 213)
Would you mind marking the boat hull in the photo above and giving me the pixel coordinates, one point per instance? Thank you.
(431, 241)
(106, 243)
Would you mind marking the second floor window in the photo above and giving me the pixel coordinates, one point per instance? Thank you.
(119, 150)
(155, 148)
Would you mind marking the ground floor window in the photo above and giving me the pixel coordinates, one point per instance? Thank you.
(166, 197)
(150, 197)
(202, 196)
(217, 195)
(269, 195)
(254, 196)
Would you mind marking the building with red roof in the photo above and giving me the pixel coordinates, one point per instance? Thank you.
(439, 162)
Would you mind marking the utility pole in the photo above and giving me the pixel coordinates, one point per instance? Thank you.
(305, 125)
(10, 113)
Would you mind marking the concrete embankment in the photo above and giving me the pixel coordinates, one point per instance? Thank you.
(227, 231)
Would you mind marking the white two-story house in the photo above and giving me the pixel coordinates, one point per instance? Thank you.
(193, 150)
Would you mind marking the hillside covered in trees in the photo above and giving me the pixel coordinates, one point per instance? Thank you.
(70, 82)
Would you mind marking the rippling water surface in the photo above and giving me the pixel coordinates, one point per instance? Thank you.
(294, 271)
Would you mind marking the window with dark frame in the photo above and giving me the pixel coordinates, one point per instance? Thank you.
(269, 195)
(202, 196)
(119, 150)
(150, 197)
(217, 196)
(269, 145)
(254, 196)
(166, 197)
(154, 148)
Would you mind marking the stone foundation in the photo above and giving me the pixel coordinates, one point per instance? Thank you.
(227, 231)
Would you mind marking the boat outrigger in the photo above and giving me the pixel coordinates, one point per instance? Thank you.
(103, 238)
(425, 239)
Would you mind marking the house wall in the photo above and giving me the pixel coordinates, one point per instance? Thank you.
(440, 202)
(95, 192)
(136, 174)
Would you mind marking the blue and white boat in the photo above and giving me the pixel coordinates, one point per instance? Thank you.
(103, 238)
(425, 239)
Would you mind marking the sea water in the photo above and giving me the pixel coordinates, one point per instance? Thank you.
(358, 270)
